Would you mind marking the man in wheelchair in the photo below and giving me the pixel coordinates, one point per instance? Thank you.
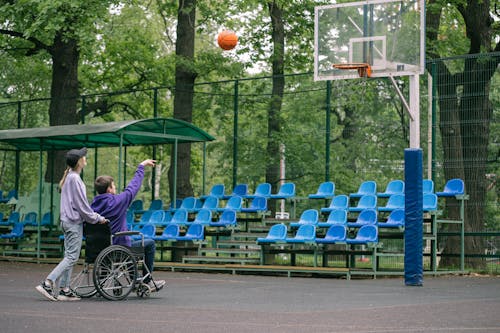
(114, 207)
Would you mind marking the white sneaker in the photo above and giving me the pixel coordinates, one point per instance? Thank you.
(46, 290)
(68, 295)
(156, 285)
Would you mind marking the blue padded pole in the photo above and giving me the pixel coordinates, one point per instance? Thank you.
(413, 233)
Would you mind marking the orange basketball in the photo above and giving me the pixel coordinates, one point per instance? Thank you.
(227, 40)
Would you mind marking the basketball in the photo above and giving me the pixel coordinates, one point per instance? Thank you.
(227, 40)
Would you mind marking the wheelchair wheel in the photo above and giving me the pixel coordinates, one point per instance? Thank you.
(115, 272)
(83, 282)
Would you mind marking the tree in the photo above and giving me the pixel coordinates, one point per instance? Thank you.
(274, 124)
(469, 112)
(185, 77)
(60, 29)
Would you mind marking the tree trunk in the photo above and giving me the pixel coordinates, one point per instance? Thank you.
(273, 129)
(63, 96)
(184, 91)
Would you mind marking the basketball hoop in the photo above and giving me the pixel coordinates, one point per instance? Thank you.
(364, 69)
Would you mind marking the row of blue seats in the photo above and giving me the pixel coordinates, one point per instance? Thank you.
(277, 234)
(181, 217)
(195, 232)
(326, 190)
(192, 205)
(306, 233)
(339, 217)
(29, 219)
(369, 201)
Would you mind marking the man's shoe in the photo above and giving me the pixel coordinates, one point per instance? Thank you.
(68, 295)
(46, 290)
(156, 285)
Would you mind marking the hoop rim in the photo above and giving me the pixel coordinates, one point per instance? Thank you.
(364, 69)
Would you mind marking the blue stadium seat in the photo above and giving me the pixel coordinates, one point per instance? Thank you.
(130, 217)
(204, 216)
(262, 190)
(427, 186)
(148, 231)
(13, 219)
(180, 217)
(234, 203)
(367, 216)
(167, 217)
(226, 219)
(137, 206)
(188, 203)
(196, 231)
(326, 190)
(309, 216)
(170, 233)
(172, 206)
(338, 202)
(335, 234)
(336, 217)
(367, 201)
(453, 187)
(239, 190)
(46, 220)
(365, 188)
(286, 191)
(156, 204)
(16, 232)
(396, 201)
(210, 202)
(429, 202)
(157, 217)
(276, 234)
(366, 234)
(396, 219)
(217, 191)
(395, 186)
(145, 217)
(257, 205)
(306, 233)
(30, 219)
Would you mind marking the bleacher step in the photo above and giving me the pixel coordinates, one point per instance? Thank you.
(222, 260)
(236, 243)
(230, 251)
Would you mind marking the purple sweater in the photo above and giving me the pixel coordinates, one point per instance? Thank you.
(114, 206)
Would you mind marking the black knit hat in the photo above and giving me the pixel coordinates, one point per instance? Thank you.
(74, 155)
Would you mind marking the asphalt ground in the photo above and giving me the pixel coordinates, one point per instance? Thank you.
(200, 302)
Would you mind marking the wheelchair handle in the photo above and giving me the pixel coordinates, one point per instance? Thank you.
(128, 233)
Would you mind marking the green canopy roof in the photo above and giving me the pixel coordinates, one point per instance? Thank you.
(127, 133)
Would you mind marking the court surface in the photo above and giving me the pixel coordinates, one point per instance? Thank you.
(199, 302)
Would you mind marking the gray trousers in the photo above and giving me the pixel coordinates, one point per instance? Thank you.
(61, 274)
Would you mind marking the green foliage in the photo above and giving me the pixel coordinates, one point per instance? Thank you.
(131, 46)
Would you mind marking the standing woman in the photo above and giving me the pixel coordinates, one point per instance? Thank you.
(74, 211)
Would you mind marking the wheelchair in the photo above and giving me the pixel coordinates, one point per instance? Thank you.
(110, 271)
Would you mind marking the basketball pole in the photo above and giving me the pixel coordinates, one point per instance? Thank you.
(413, 234)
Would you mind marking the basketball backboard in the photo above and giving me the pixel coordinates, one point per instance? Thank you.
(386, 34)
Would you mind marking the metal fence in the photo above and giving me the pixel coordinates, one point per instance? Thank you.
(343, 131)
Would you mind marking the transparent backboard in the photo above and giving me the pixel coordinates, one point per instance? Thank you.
(386, 34)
